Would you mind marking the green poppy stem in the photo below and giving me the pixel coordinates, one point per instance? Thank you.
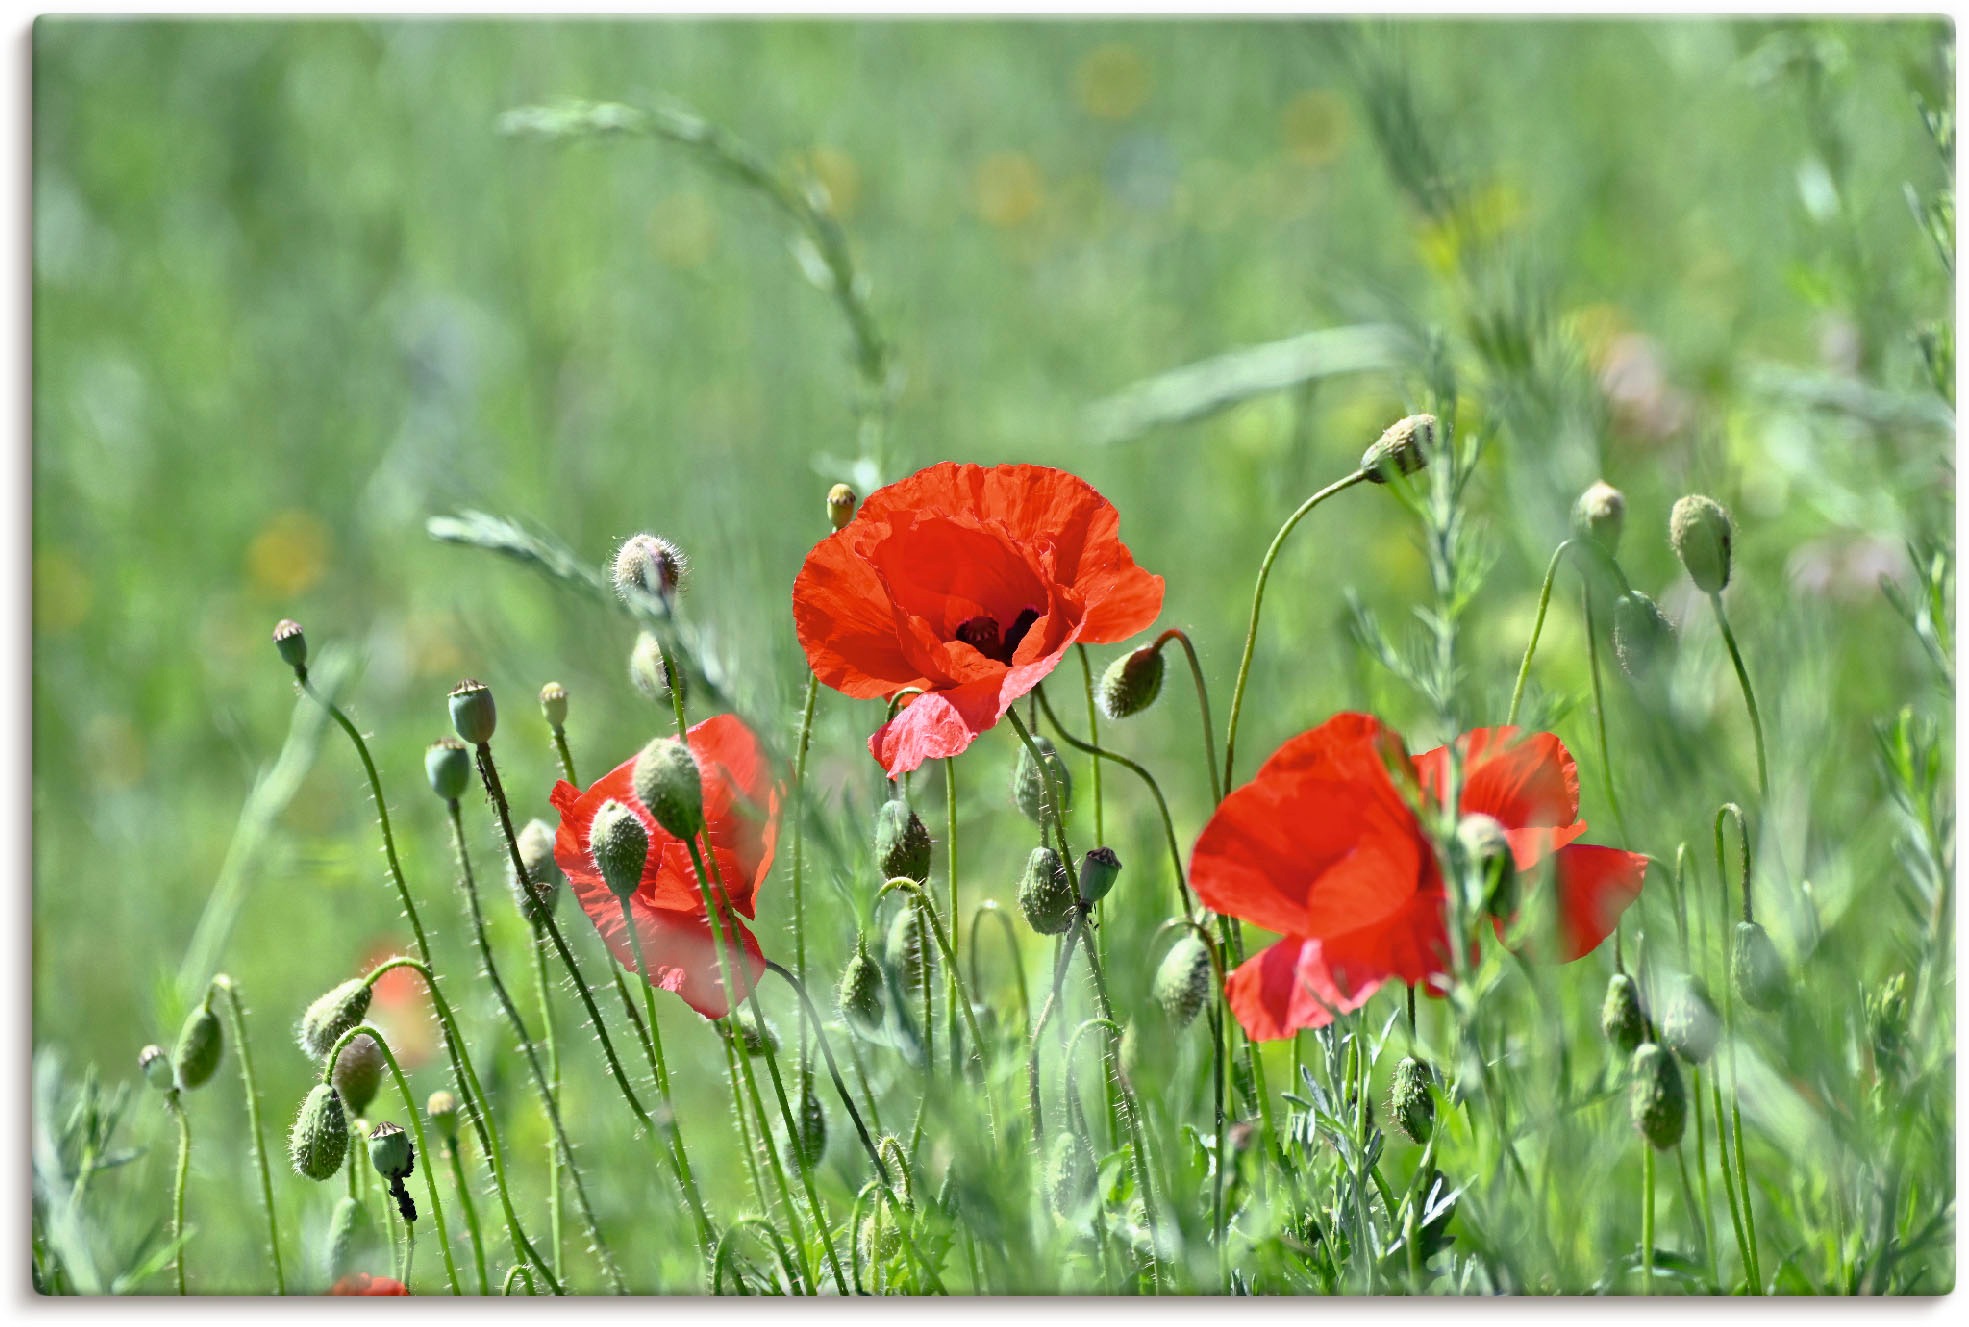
(236, 1015)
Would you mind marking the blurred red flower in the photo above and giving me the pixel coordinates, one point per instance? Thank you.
(967, 583)
(741, 816)
(362, 1283)
(1324, 846)
(402, 1006)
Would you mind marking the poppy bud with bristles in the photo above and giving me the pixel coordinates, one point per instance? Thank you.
(650, 565)
(667, 781)
(907, 950)
(349, 1228)
(1643, 637)
(1131, 683)
(841, 504)
(441, 1108)
(1486, 847)
(332, 1015)
(1403, 448)
(292, 644)
(1182, 980)
(541, 889)
(1070, 1177)
(391, 1152)
(448, 766)
(1701, 531)
(902, 844)
(756, 1036)
(1655, 1100)
(553, 704)
(1033, 781)
(651, 671)
(1410, 1101)
(1046, 896)
(1099, 869)
(321, 1135)
(1600, 514)
(473, 715)
(358, 1073)
(1690, 1026)
(810, 1137)
(201, 1041)
(860, 991)
(156, 1067)
(1621, 1019)
(620, 845)
(1756, 969)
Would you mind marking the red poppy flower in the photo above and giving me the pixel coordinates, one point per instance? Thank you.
(741, 815)
(1324, 846)
(362, 1283)
(967, 583)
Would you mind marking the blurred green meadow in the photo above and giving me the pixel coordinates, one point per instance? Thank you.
(295, 293)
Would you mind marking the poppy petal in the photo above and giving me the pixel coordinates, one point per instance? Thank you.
(937, 725)
(1595, 886)
(682, 955)
(1289, 986)
(846, 621)
(1523, 780)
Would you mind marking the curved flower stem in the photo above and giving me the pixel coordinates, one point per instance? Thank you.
(950, 965)
(959, 995)
(1537, 629)
(805, 1171)
(1155, 791)
(1203, 708)
(564, 756)
(1749, 695)
(174, 1104)
(679, 1155)
(410, 1108)
(1257, 604)
(1731, 809)
(516, 1272)
(1600, 709)
(833, 1069)
(1039, 1026)
(1094, 737)
(728, 1243)
(990, 908)
(538, 950)
(799, 807)
(470, 1209)
(1138, 1149)
(236, 1015)
(541, 1086)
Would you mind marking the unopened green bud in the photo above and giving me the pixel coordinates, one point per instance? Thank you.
(1756, 969)
(1070, 1176)
(879, 1235)
(1410, 1101)
(902, 844)
(358, 1073)
(1620, 1014)
(810, 1138)
(321, 1135)
(1182, 980)
(620, 844)
(349, 1230)
(652, 672)
(1689, 1026)
(1600, 514)
(442, 1110)
(473, 715)
(1701, 531)
(841, 504)
(448, 765)
(1643, 637)
(1099, 869)
(860, 991)
(156, 1067)
(1046, 896)
(201, 1041)
(650, 565)
(1131, 683)
(1486, 847)
(292, 644)
(1402, 449)
(332, 1015)
(390, 1151)
(1031, 789)
(907, 951)
(553, 704)
(756, 1035)
(1655, 1099)
(669, 783)
(542, 888)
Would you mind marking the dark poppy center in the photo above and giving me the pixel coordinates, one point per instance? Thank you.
(984, 634)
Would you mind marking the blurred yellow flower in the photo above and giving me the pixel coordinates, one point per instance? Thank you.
(1008, 189)
(683, 229)
(1112, 82)
(62, 593)
(289, 554)
(1314, 126)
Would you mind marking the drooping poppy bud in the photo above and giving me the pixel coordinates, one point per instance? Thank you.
(902, 844)
(1600, 514)
(553, 704)
(448, 766)
(860, 991)
(292, 644)
(648, 564)
(667, 780)
(473, 714)
(810, 1138)
(1756, 968)
(442, 1110)
(541, 889)
(907, 951)
(1655, 1099)
(201, 1041)
(1689, 1026)
(620, 845)
(358, 1073)
(333, 1014)
(1410, 1101)
(1131, 683)
(1620, 1014)
(1182, 980)
(1099, 869)
(1070, 1176)
(156, 1067)
(1046, 896)
(652, 672)
(1402, 449)
(1031, 789)
(321, 1135)
(1643, 637)
(841, 504)
(1701, 531)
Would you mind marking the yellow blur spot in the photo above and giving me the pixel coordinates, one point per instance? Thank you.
(433, 645)
(289, 554)
(837, 175)
(61, 593)
(1314, 126)
(1112, 82)
(1008, 189)
(1596, 326)
(683, 229)
(1486, 216)
(115, 752)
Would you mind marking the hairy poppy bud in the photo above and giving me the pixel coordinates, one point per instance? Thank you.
(1600, 514)
(1070, 1176)
(668, 781)
(553, 704)
(841, 504)
(358, 1073)
(473, 715)
(291, 643)
(1099, 869)
(321, 1135)
(1403, 448)
(1045, 894)
(1643, 638)
(448, 766)
(156, 1067)
(756, 1035)
(1031, 788)
(1487, 850)
(651, 671)
(1182, 980)
(1756, 969)
(391, 1152)
(620, 845)
(442, 1111)
(860, 991)
(349, 1230)
(1689, 1026)
(1655, 1100)
(879, 1235)
(1410, 1101)
(1701, 531)
(648, 565)
(332, 1015)
(541, 889)
(908, 949)
(200, 1043)
(1620, 1014)
(810, 1138)
(902, 844)
(1131, 683)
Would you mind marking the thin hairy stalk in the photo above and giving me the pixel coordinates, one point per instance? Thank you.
(470, 1209)
(833, 1069)
(800, 1164)
(1094, 738)
(1257, 605)
(555, 1221)
(800, 857)
(1537, 628)
(728, 1247)
(1600, 709)
(518, 1271)
(958, 994)
(1202, 705)
(1039, 1027)
(990, 908)
(679, 1155)
(176, 1106)
(1749, 694)
(564, 756)
(1732, 810)
(236, 1015)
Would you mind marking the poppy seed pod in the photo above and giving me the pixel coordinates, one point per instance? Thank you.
(1643, 638)
(1689, 1026)
(667, 780)
(292, 644)
(1655, 1099)
(907, 950)
(350, 1228)
(651, 671)
(321, 1135)
(1032, 790)
(1099, 869)
(333, 1014)
(541, 889)
(620, 845)
(1131, 683)
(1070, 1177)
(841, 504)
(441, 1108)
(391, 1152)
(1045, 894)
(1410, 1101)
(553, 704)
(648, 564)
(1756, 968)
(1182, 980)
(902, 844)
(201, 1041)
(860, 991)
(1701, 531)
(358, 1073)
(1620, 1014)
(1600, 514)
(448, 766)
(473, 715)
(1403, 448)
(156, 1067)
(810, 1138)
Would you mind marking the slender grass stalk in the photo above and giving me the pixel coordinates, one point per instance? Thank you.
(1732, 810)
(990, 908)
(173, 1102)
(1537, 629)
(799, 805)
(1600, 709)
(950, 964)
(1094, 738)
(236, 1015)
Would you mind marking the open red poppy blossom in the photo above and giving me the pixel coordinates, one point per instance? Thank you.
(741, 816)
(966, 583)
(362, 1283)
(1324, 846)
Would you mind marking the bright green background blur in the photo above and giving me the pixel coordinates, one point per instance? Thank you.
(293, 294)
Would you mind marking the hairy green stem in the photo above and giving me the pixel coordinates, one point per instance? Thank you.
(1749, 694)
(236, 1015)
(174, 1103)
(1203, 708)
(470, 1209)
